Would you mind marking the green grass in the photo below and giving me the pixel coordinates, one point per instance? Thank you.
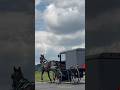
(45, 76)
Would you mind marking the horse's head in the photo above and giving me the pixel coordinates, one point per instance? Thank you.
(16, 76)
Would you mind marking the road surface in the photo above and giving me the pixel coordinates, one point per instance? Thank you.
(53, 86)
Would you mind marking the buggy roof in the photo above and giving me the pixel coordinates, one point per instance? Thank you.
(78, 49)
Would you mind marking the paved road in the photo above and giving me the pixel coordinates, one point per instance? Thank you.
(51, 86)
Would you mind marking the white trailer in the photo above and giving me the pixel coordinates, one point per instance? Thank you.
(73, 57)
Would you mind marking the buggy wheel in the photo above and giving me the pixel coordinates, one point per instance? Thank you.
(75, 77)
(75, 80)
(60, 77)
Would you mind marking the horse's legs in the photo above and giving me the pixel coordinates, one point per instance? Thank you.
(49, 76)
(42, 74)
(54, 76)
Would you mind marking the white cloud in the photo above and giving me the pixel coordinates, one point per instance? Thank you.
(67, 18)
(45, 40)
(37, 2)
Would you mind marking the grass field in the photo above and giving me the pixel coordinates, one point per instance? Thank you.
(45, 76)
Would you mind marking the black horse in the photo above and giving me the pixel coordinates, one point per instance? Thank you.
(19, 82)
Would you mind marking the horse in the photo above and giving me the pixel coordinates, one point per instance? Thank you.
(19, 82)
(50, 66)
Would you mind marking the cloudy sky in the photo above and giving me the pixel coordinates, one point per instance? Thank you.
(59, 26)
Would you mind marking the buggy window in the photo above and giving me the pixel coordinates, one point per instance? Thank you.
(63, 57)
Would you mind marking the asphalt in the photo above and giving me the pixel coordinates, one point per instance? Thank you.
(48, 86)
(63, 86)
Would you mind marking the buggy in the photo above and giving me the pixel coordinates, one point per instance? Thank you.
(72, 65)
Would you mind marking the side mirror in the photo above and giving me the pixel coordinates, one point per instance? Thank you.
(58, 55)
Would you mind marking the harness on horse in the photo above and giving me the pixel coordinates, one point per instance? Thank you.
(22, 84)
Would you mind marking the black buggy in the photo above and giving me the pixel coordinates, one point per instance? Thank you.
(71, 75)
(72, 72)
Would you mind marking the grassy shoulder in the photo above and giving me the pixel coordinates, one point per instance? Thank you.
(45, 76)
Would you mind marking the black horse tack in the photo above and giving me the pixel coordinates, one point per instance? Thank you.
(19, 82)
